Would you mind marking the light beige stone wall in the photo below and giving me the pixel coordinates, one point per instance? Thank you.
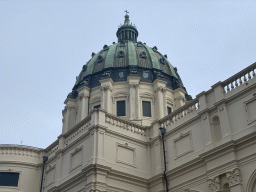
(26, 161)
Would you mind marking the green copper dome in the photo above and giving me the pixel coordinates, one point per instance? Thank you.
(127, 58)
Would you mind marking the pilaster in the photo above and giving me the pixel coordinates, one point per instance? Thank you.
(135, 106)
(83, 96)
(159, 87)
(106, 92)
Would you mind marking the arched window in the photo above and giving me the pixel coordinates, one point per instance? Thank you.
(216, 129)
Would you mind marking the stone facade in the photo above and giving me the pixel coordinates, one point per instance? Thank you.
(210, 141)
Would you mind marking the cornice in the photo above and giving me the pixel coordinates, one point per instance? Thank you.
(9, 163)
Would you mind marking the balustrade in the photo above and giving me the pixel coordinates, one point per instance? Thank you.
(180, 113)
(239, 78)
(124, 124)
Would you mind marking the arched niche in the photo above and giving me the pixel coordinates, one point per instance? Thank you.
(226, 187)
(251, 185)
(216, 129)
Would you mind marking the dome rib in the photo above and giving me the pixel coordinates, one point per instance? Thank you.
(132, 57)
(90, 65)
(155, 62)
(109, 62)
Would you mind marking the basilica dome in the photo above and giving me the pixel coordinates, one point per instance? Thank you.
(127, 57)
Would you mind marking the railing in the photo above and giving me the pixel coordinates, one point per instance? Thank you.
(77, 130)
(180, 113)
(239, 78)
(125, 124)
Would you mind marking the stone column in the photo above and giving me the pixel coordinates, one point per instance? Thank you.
(160, 105)
(108, 106)
(103, 94)
(106, 98)
(84, 105)
(165, 101)
(234, 180)
(64, 120)
(137, 102)
(132, 101)
(67, 118)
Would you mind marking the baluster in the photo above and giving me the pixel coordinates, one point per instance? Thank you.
(240, 81)
(182, 114)
(236, 84)
(249, 75)
(228, 87)
(232, 86)
(253, 73)
(245, 79)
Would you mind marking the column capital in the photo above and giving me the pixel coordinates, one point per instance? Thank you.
(70, 107)
(214, 184)
(106, 87)
(234, 177)
(134, 85)
(83, 95)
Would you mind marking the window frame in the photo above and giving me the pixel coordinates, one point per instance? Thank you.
(147, 97)
(124, 109)
(121, 96)
(12, 187)
(150, 108)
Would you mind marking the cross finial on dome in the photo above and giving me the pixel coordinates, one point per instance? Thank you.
(126, 12)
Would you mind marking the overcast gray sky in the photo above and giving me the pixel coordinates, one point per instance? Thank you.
(44, 44)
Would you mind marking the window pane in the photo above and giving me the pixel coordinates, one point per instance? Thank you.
(120, 108)
(9, 179)
(169, 110)
(97, 106)
(146, 105)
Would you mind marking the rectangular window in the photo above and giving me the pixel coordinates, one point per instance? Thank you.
(146, 106)
(120, 108)
(169, 110)
(96, 107)
(9, 179)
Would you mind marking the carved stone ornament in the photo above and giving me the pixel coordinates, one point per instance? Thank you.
(105, 47)
(158, 74)
(143, 55)
(120, 54)
(84, 67)
(154, 48)
(100, 59)
(165, 56)
(234, 177)
(162, 60)
(93, 54)
(106, 74)
(133, 71)
(139, 44)
(214, 184)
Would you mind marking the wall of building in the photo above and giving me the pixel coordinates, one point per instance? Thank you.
(26, 161)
